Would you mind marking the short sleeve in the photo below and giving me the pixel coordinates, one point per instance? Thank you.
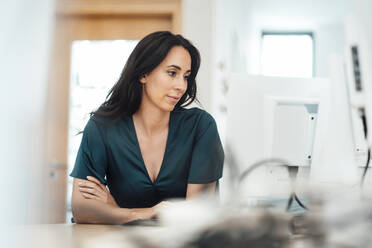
(207, 156)
(91, 159)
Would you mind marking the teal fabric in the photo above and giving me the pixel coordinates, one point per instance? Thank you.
(110, 152)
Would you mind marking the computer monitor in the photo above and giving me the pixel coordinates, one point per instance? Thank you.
(304, 121)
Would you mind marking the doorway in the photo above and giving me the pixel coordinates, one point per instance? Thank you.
(83, 25)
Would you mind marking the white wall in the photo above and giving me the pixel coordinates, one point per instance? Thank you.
(324, 18)
(24, 47)
(228, 35)
(198, 28)
(329, 39)
(238, 35)
(238, 27)
(229, 53)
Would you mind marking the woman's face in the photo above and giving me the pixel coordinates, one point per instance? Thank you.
(167, 83)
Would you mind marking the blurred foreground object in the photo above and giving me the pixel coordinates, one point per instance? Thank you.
(24, 55)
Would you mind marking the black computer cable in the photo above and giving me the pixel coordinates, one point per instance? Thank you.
(365, 129)
(292, 171)
(365, 168)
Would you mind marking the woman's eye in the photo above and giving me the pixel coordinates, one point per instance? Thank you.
(187, 77)
(172, 73)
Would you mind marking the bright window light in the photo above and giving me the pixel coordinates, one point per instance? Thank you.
(95, 68)
(287, 55)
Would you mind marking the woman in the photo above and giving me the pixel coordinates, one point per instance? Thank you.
(142, 143)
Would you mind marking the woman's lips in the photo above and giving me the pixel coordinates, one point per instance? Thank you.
(173, 98)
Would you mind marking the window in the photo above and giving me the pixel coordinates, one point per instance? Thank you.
(95, 68)
(287, 54)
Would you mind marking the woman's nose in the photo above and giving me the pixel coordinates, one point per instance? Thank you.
(181, 84)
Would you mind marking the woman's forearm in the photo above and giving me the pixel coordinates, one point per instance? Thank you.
(95, 212)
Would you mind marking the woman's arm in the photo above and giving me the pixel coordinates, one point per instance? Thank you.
(94, 211)
(196, 189)
(92, 203)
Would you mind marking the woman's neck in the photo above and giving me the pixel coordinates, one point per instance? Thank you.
(151, 119)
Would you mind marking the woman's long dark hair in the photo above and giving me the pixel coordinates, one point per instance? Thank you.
(125, 97)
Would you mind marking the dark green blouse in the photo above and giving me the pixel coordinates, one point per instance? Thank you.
(110, 152)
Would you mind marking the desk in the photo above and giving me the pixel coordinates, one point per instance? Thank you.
(73, 236)
(88, 236)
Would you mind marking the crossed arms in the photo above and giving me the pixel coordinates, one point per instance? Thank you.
(92, 203)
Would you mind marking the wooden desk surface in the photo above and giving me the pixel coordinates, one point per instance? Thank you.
(73, 236)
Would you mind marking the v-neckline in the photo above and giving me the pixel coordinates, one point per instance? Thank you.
(140, 152)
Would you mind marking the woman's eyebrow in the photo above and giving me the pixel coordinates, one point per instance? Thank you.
(177, 67)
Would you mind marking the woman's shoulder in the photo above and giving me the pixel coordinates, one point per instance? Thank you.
(190, 112)
(193, 115)
(104, 123)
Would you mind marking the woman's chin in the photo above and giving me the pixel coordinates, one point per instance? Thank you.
(167, 107)
(170, 108)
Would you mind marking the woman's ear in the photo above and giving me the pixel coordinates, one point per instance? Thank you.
(143, 79)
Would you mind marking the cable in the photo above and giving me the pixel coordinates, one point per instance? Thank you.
(300, 203)
(292, 197)
(365, 168)
(365, 128)
(292, 171)
(254, 166)
(364, 121)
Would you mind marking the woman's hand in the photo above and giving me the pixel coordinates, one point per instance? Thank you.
(158, 207)
(94, 189)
